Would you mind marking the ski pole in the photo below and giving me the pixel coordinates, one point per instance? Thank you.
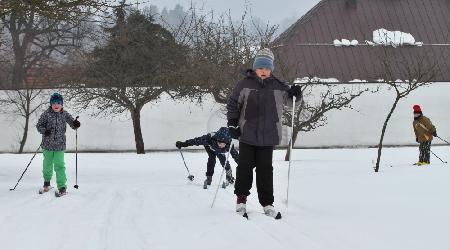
(221, 175)
(190, 177)
(443, 139)
(76, 157)
(438, 157)
(14, 188)
(290, 150)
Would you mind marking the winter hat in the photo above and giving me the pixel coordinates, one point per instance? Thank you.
(222, 135)
(417, 109)
(264, 59)
(56, 98)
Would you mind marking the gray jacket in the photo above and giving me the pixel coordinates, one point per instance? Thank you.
(55, 122)
(258, 106)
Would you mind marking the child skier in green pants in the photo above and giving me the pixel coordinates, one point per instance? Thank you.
(52, 126)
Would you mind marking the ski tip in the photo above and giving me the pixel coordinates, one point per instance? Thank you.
(278, 216)
(245, 215)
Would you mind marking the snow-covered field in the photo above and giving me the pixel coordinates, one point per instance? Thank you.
(129, 201)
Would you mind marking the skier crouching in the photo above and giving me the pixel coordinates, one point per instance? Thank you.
(216, 145)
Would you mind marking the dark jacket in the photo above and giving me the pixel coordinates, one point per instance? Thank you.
(55, 122)
(210, 141)
(258, 106)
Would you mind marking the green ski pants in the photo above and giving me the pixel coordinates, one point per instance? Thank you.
(54, 160)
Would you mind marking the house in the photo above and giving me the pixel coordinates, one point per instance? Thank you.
(368, 41)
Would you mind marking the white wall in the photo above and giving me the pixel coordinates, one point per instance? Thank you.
(167, 121)
(363, 127)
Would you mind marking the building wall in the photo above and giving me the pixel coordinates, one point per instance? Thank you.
(168, 121)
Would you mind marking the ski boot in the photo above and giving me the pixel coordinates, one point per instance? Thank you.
(45, 188)
(270, 211)
(207, 182)
(61, 192)
(241, 204)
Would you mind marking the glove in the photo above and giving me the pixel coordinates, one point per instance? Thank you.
(47, 132)
(417, 140)
(180, 145)
(295, 90)
(434, 134)
(76, 124)
(233, 128)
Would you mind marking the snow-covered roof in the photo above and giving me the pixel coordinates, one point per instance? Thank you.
(320, 43)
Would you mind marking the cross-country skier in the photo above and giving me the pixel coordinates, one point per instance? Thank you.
(255, 110)
(216, 145)
(52, 126)
(424, 130)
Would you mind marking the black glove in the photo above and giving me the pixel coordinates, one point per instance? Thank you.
(76, 124)
(295, 90)
(47, 132)
(417, 140)
(434, 134)
(180, 145)
(233, 128)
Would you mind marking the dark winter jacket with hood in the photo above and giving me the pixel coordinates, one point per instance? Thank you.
(258, 106)
(55, 123)
(210, 140)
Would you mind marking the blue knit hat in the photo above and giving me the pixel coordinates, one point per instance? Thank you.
(56, 98)
(222, 135)
(264, 59)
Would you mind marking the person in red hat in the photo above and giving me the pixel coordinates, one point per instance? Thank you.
(424, 130)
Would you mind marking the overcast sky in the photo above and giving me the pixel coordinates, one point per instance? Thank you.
(276, 11)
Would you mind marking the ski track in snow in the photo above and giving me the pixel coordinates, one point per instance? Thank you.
(126, 201)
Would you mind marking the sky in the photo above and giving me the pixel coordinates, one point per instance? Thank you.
(279, 12)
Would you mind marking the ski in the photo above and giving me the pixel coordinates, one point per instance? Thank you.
(42, 190)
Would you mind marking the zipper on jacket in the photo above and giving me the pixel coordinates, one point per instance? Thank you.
(56, 127)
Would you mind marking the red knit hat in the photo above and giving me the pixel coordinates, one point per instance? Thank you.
(417, 109)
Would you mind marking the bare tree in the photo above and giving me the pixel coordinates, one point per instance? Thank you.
(140, 61)
(317, 101)
(23, 103)
(417, 72)
(38, 29)
(61, 10)
(220, 49)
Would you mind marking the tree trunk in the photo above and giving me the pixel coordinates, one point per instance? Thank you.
(383, 131)
(25, 133)
(288, 152)
(136, 117)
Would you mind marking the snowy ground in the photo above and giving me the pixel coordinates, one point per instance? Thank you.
(129, 201)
